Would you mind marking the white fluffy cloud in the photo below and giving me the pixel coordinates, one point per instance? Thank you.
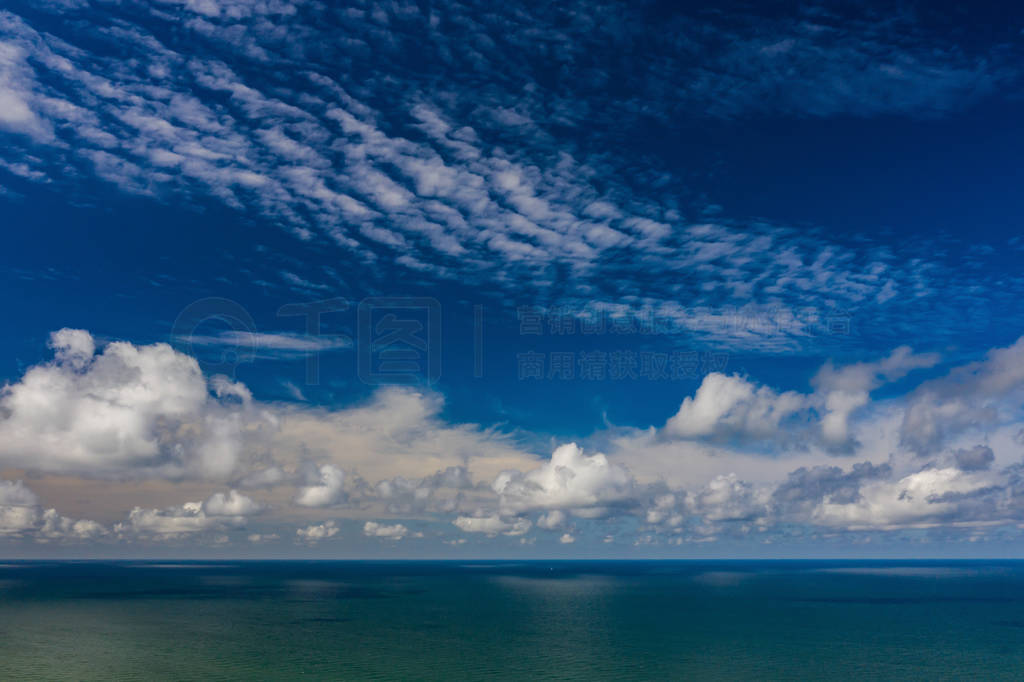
(585, 485)
(126, 411)
(664, 511)
(556, 518)
(968, 397)
(846, 389)
(732, 406)
(128, 408)
(75, 347)
(727, 498)
(921, 499)
(314, 533)
(232, 503)
(188, 518)
(395, 531)
(21, 514)
(219, 511)
(57, 527)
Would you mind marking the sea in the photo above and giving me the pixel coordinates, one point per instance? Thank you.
(501, 620)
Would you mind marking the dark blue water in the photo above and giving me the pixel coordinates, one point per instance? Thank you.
(503, 620)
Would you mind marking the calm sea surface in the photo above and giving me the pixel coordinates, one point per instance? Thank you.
(503, 620)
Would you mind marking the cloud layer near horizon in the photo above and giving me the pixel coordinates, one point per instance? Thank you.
(737, 460)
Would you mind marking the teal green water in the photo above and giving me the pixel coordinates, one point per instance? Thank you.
(494, 620)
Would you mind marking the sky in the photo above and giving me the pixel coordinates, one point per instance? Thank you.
(299, 279)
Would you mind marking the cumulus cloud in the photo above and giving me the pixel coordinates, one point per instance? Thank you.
(328, 488)
(922, 499)
(148, 411)
(128, 408)
(845, 389)
(665, 510)
(734, 408)
(380, 530)
(556, 518)
(75, 347)
(19, 508)
(232, 503)
(492, 525)
(728, 498)
(137, 411)
(220, 511)
(21, 515)
(796, 498)
(585, 485)
(728, 406)
(57, 527)
(171, 521)
(314, 533)
(968, 397)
